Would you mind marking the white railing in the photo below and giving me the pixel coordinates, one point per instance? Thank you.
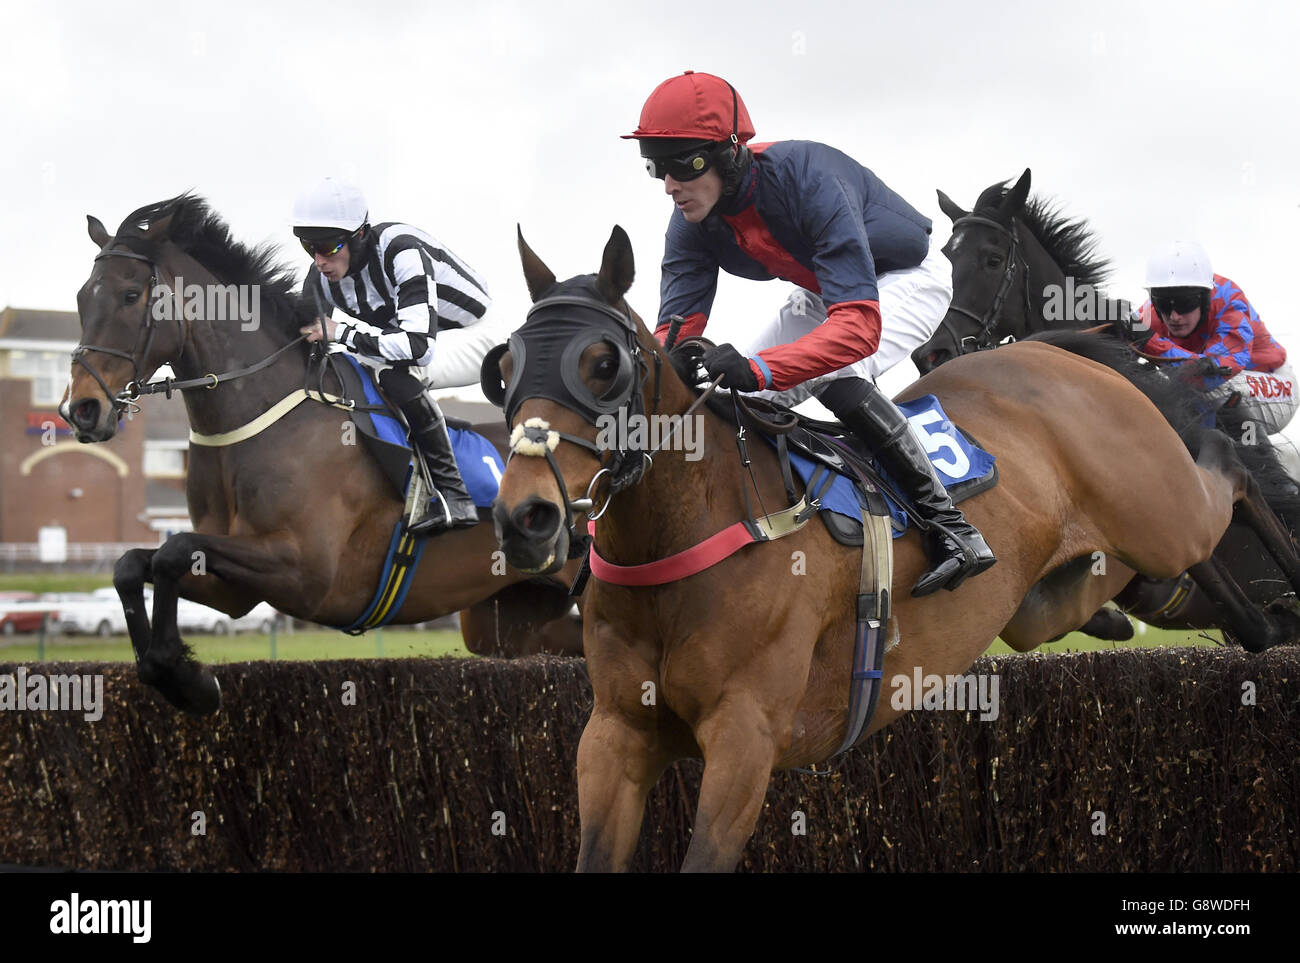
(11, 552)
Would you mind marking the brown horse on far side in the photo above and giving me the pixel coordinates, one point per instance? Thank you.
(749, 660)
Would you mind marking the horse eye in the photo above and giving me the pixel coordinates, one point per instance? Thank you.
(132, 297)
(995, 260)
(606, 367)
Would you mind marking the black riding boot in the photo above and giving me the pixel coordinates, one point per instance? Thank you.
(957, 550)
(449, 505)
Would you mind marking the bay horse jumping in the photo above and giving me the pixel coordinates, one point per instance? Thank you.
(1020, 268)
(747, 663)
(294, 515)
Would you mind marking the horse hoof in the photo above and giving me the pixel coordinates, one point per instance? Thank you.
(188, 687)
(204, 696)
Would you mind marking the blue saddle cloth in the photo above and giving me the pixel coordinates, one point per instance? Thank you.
(479, 462)
(953, 456)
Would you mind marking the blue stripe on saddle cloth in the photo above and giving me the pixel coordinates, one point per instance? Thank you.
(479, 462)
(954, 458)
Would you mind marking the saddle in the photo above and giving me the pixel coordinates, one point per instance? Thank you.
(841, 476)
(384, 433)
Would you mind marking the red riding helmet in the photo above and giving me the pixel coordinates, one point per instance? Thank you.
(694, 107)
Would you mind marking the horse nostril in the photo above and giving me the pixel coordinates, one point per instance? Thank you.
(537, 518)
(85, 414)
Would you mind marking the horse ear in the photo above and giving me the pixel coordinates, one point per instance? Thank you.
(949, 207)
(616, 267)
(153, 230)
(1015, 199)
(95, 227)
(537, 275)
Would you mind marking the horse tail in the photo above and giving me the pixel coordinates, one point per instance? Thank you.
(1188, 412)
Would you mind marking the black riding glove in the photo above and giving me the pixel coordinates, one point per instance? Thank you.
(1134, 330)
(726, 360)
(1209, 368)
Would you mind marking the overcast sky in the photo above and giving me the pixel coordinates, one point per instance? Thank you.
(1151, 120)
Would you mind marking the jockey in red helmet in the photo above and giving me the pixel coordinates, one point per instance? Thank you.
(874, 288)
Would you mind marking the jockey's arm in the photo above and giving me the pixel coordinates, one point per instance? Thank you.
(831, 218)
(688, 280)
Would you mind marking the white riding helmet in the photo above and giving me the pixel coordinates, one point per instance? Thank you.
(330, 202)
(1180, 264)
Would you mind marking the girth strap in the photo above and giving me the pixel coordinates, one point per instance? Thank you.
(874, 588)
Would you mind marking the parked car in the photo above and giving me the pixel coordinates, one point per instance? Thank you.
(24, 612)
(90, 613)
(193, 617)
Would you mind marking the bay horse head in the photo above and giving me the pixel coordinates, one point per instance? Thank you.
(122, 340)
(581, 357)
(172, 287)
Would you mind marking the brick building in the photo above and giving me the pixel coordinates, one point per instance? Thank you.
(103, 497)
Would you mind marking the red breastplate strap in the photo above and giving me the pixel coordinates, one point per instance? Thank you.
(695, 559)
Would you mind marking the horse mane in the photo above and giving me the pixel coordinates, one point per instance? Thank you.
(1186, 410)
(201, 233)
(1072, 244)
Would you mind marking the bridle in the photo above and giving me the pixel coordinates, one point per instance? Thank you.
(983, 340)
(620, 466)
(125, 399)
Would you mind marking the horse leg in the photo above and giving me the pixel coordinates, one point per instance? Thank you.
(1255, 512)
(519, 620)
(129, 576)
(1109, 625)
(168, 664)
(1065, 599)
(620, 757)
(1239, 617)
(739, 752)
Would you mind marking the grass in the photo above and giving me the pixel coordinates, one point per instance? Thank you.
(54, 582)
(1146, 637)
(251, 647)
(395, 643)
(401, 643)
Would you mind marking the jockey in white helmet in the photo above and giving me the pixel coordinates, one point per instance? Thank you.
(418, 315)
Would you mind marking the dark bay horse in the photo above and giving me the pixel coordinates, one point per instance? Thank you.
(298, 515)
(1021, 268)
(747, 663)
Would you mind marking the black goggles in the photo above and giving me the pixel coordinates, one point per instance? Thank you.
(683, 167)
(1177, 303)
(326, 248)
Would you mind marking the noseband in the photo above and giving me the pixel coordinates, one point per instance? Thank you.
(984, 339)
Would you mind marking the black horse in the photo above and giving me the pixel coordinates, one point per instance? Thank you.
(1021, 268)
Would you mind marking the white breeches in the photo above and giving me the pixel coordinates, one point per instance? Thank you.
(912, 306)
